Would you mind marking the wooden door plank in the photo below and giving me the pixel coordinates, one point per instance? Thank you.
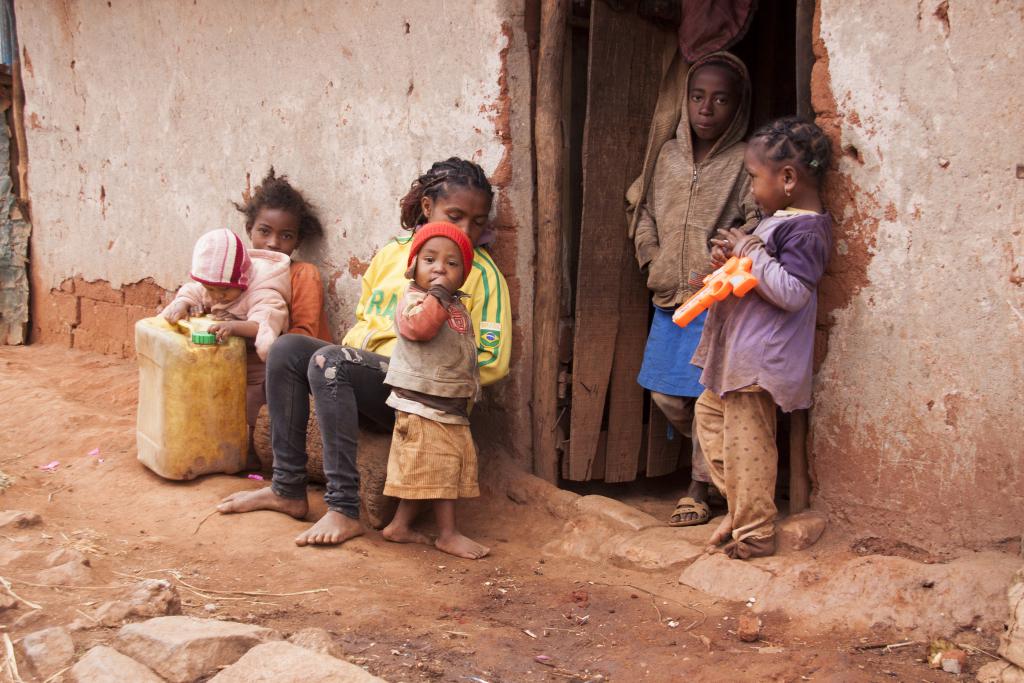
(550, 158)
(625, 395)
(623, 78)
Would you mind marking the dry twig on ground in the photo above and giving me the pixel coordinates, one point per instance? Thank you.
(7, 587)
(12, 664)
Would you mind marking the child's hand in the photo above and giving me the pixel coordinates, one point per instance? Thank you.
(223, 330)
(718, 255)
(444, 282)
(727, 240)
(179, 310)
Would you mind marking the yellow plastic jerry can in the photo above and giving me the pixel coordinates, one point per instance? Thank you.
(191, 417)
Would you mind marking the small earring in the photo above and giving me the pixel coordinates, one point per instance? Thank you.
(788, 192)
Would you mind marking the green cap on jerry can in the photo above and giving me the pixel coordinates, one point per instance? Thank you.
(204, 338)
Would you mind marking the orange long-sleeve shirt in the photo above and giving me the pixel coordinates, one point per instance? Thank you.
(308, 315)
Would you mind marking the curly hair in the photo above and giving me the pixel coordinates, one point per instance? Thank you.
(275, 192)
(791, 139)
(438, 182)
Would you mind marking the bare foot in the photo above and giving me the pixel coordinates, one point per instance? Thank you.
(397, 533)
(461, 546)
(333, 528)
(722, 533)
(263, 499)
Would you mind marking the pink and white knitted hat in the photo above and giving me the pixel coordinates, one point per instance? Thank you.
(220, 260)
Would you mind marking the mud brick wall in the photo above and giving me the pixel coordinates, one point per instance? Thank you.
(93, 316)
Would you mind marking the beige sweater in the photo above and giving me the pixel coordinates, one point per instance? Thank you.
(686, 203)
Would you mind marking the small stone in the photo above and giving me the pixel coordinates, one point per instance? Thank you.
(7, 602)
(210, 607)
(943, 162)
(801, 530)
(749, 628)
(149, 598)
(63, 556)
(9, 557)
(281, 661)
(317, 640)
(106, 665)
(19, 519)
(953, 661)
(48, 651)
(183, 649)
(76, 572)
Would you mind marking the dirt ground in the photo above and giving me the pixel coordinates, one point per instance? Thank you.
(405, 613)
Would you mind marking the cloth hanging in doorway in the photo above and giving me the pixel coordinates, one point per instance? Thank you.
(706, 26)
(712, 25)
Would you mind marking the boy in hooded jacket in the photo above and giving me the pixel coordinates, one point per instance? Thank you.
(698, 186)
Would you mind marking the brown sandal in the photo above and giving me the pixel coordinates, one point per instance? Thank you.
(686, 505)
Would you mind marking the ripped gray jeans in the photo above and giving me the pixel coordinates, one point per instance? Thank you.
(346, 384)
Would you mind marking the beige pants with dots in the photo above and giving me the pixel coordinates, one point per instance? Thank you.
(737, 433)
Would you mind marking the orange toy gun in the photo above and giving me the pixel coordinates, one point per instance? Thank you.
(732, 278)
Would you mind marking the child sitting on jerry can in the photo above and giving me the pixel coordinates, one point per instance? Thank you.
(193, 389)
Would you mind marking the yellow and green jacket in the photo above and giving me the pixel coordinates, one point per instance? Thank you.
(488, 304)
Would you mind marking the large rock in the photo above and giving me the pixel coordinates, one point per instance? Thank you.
(874, 591)
(595, 538)
(106, 665)
(1000, 672)
(654, 550)
(371, 460)
(282, 662)
(18, 519)
(615, 514)
(800, 531)
(48, 651)
(181, 649)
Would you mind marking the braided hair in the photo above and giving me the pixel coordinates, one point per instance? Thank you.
(438, 182)
(791, 139)
(275, 192)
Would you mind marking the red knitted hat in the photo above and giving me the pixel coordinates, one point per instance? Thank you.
(220, 259)
(442, 229)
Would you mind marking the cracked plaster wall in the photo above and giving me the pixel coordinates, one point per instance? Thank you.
(918, 426)
(144, 119)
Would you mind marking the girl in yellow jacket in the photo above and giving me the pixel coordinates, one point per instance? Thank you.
(347, 381)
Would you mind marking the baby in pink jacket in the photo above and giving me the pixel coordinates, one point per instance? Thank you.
(247, 292)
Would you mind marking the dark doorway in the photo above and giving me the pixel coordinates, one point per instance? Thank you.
(608, 429)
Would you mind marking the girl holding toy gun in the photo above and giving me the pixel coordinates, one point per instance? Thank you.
(757, 351)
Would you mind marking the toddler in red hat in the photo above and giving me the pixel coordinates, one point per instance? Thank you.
(246, 291)
(434, 379)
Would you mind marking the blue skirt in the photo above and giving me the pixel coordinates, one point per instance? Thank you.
(666, 367)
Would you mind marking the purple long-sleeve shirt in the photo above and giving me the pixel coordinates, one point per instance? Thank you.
(767, 337)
